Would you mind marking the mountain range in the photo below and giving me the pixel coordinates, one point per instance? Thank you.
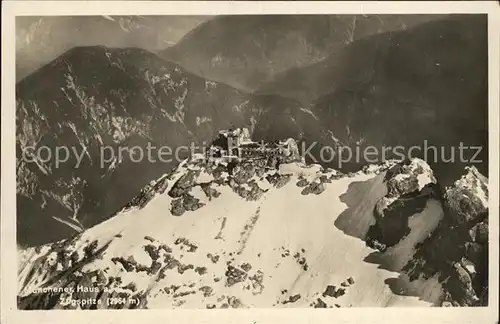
(95, 97)
(344, 82)
(245, 51)
(41, 39)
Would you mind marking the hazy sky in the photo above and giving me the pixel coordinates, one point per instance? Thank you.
(41, 39)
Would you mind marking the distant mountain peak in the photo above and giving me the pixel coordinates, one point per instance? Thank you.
(247, 51)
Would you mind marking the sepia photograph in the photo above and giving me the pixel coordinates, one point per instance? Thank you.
(255, 161)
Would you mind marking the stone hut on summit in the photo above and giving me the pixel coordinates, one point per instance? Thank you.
(228, 143)
(237, 144)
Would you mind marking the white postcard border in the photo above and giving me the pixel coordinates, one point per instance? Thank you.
(8, 275)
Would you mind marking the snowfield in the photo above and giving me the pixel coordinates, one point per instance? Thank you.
(282, 250)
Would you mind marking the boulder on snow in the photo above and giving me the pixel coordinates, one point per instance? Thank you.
(332, 291)
(315, 188)
(467, 199)
(374, 244)
(234, 275)
(185, 203)
(207, 291)
(292, 299)
(278, 180)
(320, 304)
(408, 177)
(249, 191)
(243, 172)
(217, 170)
(234, 302)
(177, 208)
(184, 184)
(302, 183)
(325, 179)
(209, 191)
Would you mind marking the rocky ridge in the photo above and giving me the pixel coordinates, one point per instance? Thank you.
(105, 106)
(125, 262)
(458, 248)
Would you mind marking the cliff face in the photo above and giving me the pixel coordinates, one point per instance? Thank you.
(259, 224)
(268, 231)
(407, 88)
(375, 91)
(455, 248)
(99, 108)
(458, 249)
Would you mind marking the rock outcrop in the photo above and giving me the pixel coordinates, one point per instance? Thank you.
(164, 249)
(409, 186)
(458, 249)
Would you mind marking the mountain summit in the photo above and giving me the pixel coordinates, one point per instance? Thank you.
(376, 91)
(263, 229)
(246, 50)
(95, 98)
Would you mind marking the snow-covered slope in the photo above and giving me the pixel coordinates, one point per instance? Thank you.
(245, 234)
